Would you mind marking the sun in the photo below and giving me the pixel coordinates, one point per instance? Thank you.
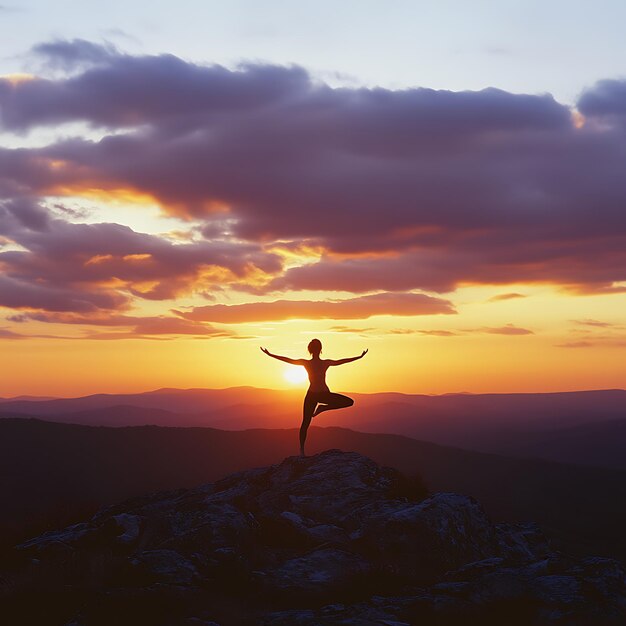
(295, 374)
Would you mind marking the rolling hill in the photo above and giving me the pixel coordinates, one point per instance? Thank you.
(52, 474)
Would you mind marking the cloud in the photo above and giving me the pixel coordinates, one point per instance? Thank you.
(358, 331)
(23, 215)
(162, 333)
(5, 333)
(594, 323)
(400, 190)
(166, 325)
(393, 331)
(506, 296)
(64, 266)
(118, 90)
(17, 294)
(353, 308)
(606, 99)
(67, 55)
(120, 34)
(575, 344)
(509, 329)
(74, 213)
(132, 327)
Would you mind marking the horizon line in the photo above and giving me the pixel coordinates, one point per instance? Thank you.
(43, 398)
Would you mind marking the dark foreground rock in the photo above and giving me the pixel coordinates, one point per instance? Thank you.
(331, 539)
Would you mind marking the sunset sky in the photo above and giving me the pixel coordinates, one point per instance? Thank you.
(442, 183)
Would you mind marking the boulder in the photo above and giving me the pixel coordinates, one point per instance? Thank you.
(427, 539)
(166, 566)
(317, 571)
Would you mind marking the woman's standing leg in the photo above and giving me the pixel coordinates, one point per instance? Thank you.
(310, 402)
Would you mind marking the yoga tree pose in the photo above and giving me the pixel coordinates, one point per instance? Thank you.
(319, 397)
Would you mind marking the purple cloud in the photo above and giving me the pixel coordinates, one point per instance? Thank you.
(351, 308)
(130, 326)
(124, 91)
(67, 55)
(400, 190)
(606, 99)
(18, 294)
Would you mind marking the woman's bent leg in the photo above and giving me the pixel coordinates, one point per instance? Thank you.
(331, 401)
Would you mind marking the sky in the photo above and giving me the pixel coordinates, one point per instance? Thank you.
(441, 183)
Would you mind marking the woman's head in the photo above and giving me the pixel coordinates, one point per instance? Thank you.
(315, 347)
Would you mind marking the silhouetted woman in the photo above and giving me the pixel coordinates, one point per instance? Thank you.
(319, 397)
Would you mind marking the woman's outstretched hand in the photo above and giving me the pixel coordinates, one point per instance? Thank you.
(266, 351)
(363, 354)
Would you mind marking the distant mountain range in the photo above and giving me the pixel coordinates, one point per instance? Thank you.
(584, 427)
(29, 398)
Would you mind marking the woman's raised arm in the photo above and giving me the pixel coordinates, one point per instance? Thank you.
(348, 360)
(286, 359)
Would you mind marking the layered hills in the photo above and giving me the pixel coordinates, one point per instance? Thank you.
(53, 474)
(584, 427)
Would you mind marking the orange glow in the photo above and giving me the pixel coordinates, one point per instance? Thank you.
(425, 354)
(112, 283)
(212, 274)
(395, 363)
(102, 194)
(301, 254)
(97, 259)
(578, 119)
(145, 286)
(17, 78)
(179, 235)
(57, 164)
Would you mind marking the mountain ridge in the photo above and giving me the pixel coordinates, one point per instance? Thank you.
(333, 539)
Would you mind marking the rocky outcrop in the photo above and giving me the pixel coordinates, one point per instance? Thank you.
(328, 539)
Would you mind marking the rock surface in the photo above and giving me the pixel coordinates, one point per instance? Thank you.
(330, 539)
